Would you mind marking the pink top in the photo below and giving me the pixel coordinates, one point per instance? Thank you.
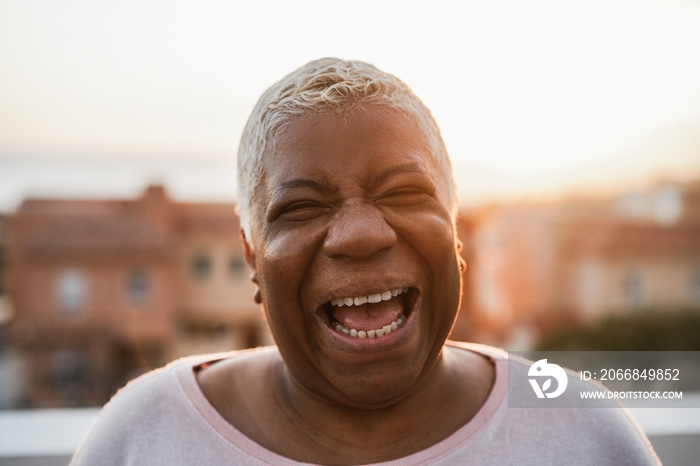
(164, 418)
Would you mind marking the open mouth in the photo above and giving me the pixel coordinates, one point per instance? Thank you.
(370, 316)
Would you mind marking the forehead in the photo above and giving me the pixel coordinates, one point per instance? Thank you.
(367, 136)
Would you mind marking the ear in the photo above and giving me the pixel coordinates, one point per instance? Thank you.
(248, 251)
(460, 259)
(462, 264)
(250, 259)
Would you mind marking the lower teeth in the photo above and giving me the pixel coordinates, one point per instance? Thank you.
(370, 334)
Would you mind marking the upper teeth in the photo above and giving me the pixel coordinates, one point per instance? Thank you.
(372, 298)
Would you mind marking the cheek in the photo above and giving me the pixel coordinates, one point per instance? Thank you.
(434, 242)
(282, 265)
(430, 233)
(282, 271)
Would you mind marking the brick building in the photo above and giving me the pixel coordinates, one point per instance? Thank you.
(632, 266)
(538, 267)
(105, 289)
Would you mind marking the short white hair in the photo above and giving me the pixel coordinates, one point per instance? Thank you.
(328, 85)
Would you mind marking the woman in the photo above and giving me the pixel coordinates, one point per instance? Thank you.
(347, 208)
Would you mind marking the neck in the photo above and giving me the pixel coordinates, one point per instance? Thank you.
(434, 408)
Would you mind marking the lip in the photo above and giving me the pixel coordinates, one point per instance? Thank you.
(351, 344)
(363, 290)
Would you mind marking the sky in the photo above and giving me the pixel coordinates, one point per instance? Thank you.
(535, 99)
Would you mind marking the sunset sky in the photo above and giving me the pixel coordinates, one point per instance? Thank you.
(534, 98)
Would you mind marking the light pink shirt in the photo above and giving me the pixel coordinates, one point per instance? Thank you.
(163, 418)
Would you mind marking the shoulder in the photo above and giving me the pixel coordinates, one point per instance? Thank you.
(153, 389)
(148, 413)
(551, 429)
(599, 428)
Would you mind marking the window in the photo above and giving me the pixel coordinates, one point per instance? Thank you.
(236, 266)
(68, 365)
(72, 292)
(201, 266)
(69, 375)
(634, 289)
(137, 286)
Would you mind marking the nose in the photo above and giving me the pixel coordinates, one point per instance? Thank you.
(358, 230)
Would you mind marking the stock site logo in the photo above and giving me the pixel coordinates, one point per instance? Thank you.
(541, 369)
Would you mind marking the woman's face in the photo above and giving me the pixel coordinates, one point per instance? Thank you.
(348, 213)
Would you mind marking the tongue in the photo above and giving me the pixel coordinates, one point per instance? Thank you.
(369, 316)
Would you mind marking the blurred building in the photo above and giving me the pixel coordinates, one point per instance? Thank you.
(4, 302)
(627, 266)
(9, 364)
(105, 289)
(539, 267)
(216, 310)
(646, 258)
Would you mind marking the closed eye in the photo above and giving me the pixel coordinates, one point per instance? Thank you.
(406, 196)
(302, 210)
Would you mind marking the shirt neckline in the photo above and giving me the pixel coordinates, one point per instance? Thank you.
(245, 445)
